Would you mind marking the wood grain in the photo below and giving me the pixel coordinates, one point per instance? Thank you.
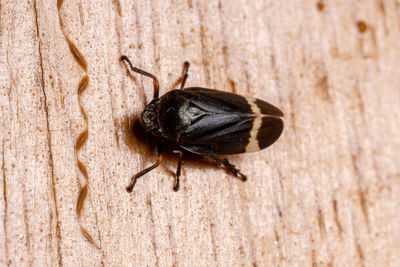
(326, 194)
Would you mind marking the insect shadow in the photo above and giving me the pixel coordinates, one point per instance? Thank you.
(140, 141)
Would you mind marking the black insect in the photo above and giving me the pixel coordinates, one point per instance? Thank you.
(208, 122)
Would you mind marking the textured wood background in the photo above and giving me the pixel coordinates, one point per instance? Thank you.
(326, 194)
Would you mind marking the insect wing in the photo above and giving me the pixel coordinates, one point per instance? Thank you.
(226, 123)
(220, 101)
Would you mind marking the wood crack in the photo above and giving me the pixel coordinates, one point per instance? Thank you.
(49, 141)
(5, 207)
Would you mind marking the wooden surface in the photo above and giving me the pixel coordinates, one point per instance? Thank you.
(326, 194)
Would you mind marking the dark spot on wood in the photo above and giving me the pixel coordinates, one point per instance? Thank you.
(118, 7)
(334, 52)
(279, 211)
(116, 136)
(241, 251)
(322, 88)
(359, 98)
(338, 224)
(362, 26)
(360, 252)
(320, 6)
(273, 62)
(364, 207)
(381, 6)
(277, 239)
(321, 223)
(360, 191)
(313, 258)
(292, 112)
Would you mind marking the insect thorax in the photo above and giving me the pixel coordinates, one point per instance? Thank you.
(167, 116)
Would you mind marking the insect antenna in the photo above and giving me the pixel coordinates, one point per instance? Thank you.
(185, 73)
(156, 84)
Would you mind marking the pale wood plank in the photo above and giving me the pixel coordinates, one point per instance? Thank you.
(326, 193)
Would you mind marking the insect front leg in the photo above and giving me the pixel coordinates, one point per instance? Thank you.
(185, 73)
(156, 84)
(141, 173)
(178, 170)
(232, 168)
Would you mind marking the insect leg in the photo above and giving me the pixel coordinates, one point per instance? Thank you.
(143, 172)
(178, 170)
(185, 73)
(156, 84)
(232, 168)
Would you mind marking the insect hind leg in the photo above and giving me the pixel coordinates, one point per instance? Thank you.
(232, 168)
